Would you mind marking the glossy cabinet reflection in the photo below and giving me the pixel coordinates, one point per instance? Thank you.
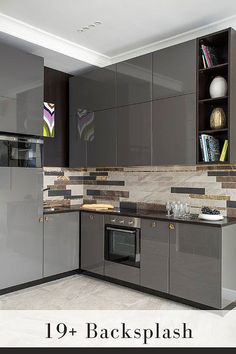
(21, 233)
(101, 147)
(94, 90)
(61, 243)
(154, 268)
(174, 130)
(79, 127)
(174, 70)
(92, 242)
(195, 263)
(134, 80)
(134, 135)
(21, 92)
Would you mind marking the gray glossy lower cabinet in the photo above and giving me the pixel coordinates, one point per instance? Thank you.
(122, 272)
(174, 130)
(134, 135)
(154, 267)
(61, 243)
(92, 242)
(21, 233)
(195, 263)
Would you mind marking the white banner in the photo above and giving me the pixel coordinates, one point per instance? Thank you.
(173, 328)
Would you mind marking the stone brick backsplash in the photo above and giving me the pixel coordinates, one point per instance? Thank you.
(145, 187)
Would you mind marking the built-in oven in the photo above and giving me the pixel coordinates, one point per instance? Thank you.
(122, 240)
(20, 151)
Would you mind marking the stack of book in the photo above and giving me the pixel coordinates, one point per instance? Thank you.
(209, 57)
(210, 148)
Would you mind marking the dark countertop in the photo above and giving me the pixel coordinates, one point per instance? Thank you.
(146, 214)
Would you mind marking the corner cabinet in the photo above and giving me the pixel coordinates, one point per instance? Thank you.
(61, 243)
(92, 242)
(21, 92)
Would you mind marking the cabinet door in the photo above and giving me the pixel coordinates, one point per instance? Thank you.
(92, 242)
(21, 233)
(80, 128)
(134, 135)
(154, 254)
(94, 90)
(195, 263)
(174, 130)
(21, 92)
(61, 243)
(134, 80)
(101, 150)
(174, 70)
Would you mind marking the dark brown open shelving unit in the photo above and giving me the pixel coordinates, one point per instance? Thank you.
(221, 41)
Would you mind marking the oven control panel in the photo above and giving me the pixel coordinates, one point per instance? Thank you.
(122, 221)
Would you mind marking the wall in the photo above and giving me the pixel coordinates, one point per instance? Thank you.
(56, 90)
(149, 187)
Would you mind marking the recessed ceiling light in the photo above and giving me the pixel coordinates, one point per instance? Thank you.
(90, 26)
(98, 22)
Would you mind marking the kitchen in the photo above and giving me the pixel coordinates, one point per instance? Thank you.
(95, 155)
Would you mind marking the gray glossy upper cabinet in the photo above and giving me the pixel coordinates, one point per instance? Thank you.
(134, 135)
(80, 128)
(92, 242)
(134, 80)
(174, 130)
(94, 90)
(154, 265)
(21, 232)
(21, 92)
(174, 70)
(61, 243)
(101, 148)
(195, 263)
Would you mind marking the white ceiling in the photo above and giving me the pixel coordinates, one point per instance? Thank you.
(129, 27)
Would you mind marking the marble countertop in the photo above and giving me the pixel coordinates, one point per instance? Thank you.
(147, 214)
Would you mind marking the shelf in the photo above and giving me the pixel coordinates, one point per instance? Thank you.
(213, 162)
(213, 131)
(206, 100)
(215, 67)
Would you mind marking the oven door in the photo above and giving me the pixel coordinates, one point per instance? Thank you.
(122, 245)
(25, 153)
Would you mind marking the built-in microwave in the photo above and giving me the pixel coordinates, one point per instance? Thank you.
(20, 151)
(122, 240)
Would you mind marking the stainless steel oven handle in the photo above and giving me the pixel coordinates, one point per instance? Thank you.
(121, 230)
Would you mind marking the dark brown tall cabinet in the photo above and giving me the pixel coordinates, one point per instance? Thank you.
(221, 46)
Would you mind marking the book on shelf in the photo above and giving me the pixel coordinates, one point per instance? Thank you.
(224, 151)
(210, 148)
(209, 56)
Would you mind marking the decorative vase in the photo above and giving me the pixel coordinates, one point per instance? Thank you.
(217, 118)
(218, 87)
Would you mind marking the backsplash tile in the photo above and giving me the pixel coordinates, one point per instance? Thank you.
(147, 187)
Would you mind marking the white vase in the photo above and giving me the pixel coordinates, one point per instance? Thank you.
(218, 87)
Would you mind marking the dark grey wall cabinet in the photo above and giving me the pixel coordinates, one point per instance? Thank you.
(94, 90)
(61, 243)
(134, 80)
(92, 242)
(174, 70)
(174, 130)
(154, 268)
(134, 135)
(101, 148)
(79, 132)
(195, 263)
(21, 92)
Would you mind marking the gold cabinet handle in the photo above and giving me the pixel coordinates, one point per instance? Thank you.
(171, 226)
(46, 218)
(91, 217)
(153, 224)
(41, 219)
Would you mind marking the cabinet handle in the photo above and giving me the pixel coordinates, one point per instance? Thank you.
(153, 224)
(91, 217)
(41, 219)
(46, 218)
(171, 226)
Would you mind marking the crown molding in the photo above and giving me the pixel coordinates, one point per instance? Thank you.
(34, 35)
(47, 40)
(183, 37)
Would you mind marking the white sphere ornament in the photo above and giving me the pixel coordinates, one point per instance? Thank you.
(218, 87)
